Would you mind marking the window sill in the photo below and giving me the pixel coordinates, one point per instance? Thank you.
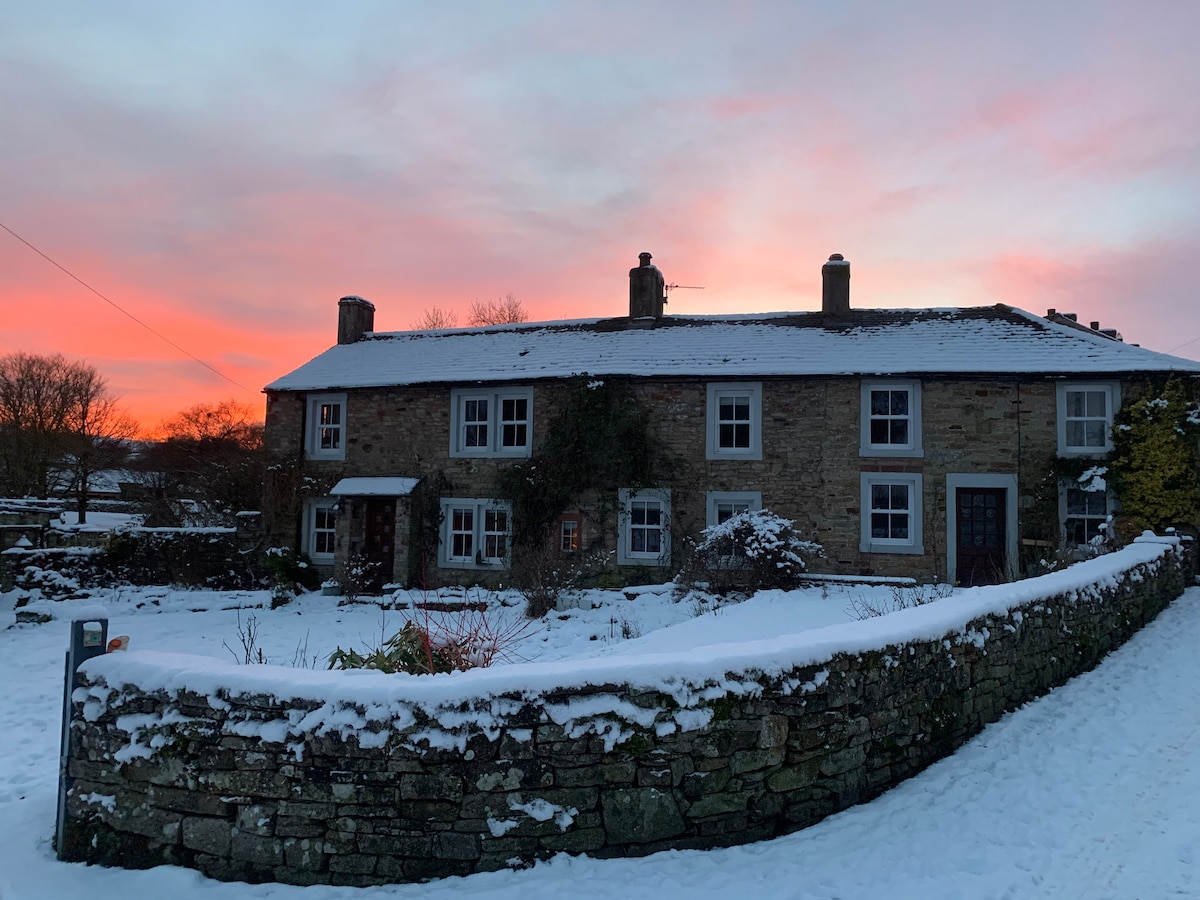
(893, 453)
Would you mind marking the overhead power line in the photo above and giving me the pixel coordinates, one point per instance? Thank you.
(162, 337)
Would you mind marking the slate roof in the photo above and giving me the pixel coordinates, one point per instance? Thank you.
(998, 340)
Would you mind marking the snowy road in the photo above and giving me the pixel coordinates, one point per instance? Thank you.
(1091, 792)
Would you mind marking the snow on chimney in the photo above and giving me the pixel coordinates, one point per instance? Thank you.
(835, 286)
(356, 317)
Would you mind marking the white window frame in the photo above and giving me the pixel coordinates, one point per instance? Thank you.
(626, 499)
(718, 391)
(314, 427)
(495, 397)
(714, 499)
(914, 543)
(479, 508)
(314, 509)
(1068, 484)
(1112, 392)
(913, 446)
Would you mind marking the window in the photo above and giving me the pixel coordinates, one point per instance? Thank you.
(325, 435)
(735, 420)
(891, 418)
(320, 530)
(568, 535)
(724, 505)
(891, 513)
(1085, 415)
(491, 423)
(644, 528)
(1081, 512)
(475, 533)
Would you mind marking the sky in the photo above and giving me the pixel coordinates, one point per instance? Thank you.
(225, 171)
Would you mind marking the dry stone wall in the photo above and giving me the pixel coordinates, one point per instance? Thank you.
(297, 785)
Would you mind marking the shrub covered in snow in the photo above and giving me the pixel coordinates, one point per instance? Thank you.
(751, 551)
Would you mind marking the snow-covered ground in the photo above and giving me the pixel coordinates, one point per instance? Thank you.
(1091, 792)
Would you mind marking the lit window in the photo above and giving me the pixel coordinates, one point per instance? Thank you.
(568, 535)
(1085, 415)
(891, 513)
(643, 524)
(891, 418)
(491, 423)
(325, 436)
(475, 534)
(734, 420)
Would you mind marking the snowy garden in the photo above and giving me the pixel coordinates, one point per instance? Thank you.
(1015, 813)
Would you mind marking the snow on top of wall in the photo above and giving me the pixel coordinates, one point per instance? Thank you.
(351, 700)
(994, 339)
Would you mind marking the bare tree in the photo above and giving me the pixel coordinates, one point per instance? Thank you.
(502, 311)
(212, 453)
(56, 413)
(436, 317)
(99, 432)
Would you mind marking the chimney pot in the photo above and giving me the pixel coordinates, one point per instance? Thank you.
(356, 317)
(1074, 317)
(835, 286)
(1051, 311)
(1095, 326)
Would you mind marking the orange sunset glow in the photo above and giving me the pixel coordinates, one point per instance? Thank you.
(225, 173)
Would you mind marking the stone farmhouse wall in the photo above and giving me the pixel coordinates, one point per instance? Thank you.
(809, 471)
(386, 779)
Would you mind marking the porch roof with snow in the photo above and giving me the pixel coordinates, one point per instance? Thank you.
(999, 340)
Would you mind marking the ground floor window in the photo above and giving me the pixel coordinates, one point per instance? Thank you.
(1083, 513)
(475, 533)
(724, 505)
(644, 527)
(320, 530)
(891, 513)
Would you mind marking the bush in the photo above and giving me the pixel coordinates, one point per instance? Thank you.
(453, 642)
(544, 575)
(752, 551)
(290, 573)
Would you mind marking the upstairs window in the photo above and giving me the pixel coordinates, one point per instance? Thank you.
(475, 534)
(325, 435)
(734, 420)
(891, 418)
(644, 528)
(1085, 416)
(491, 423)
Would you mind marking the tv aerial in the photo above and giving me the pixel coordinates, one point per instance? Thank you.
(679, 287)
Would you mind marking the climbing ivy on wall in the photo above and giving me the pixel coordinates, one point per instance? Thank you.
(599, 442)
(1154, 463)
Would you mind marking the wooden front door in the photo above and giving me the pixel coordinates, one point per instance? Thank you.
(380, 541)
(980, 515)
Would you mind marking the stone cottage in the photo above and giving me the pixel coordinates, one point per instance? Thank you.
(907, 442)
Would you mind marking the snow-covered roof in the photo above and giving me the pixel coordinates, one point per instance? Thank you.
(987, 340)
(374, 487)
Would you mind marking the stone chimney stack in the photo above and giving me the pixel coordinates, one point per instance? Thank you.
(356, 317)
(647, 289)
(835, 286)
